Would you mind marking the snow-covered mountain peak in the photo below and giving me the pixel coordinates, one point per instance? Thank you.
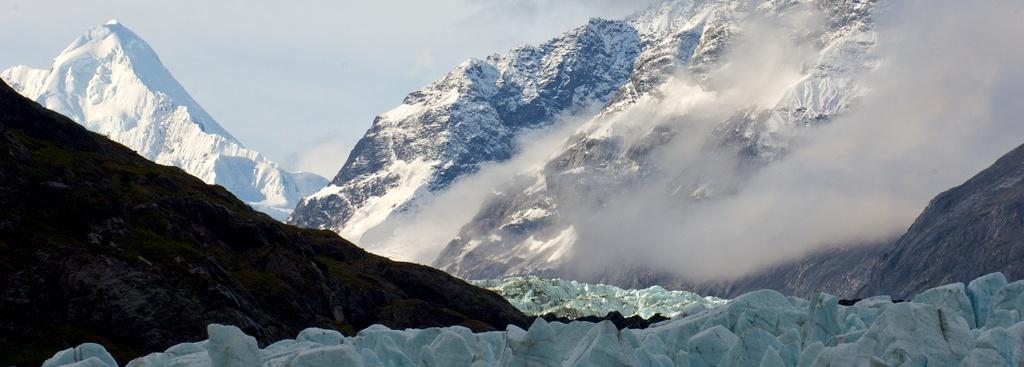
(471, 116)
(663, 16)
(114, 55)
(107, 39)
(111, 81)
(592, 76)
(826, 48)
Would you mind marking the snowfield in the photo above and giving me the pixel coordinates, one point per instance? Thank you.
(569, 298)
(953, 325)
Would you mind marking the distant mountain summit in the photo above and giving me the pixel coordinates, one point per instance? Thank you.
(112, 82)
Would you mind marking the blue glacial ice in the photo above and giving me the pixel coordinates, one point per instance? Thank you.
(953, 325)
(569, 298)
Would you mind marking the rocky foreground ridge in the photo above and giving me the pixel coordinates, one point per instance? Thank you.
(98, 243)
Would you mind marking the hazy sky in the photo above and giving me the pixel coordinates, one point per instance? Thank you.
(301, 81)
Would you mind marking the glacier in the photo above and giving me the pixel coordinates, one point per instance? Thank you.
(569, 298)
(760, 328)
(113, 83)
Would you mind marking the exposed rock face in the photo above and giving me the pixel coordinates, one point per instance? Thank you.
(970, 230)
(470, 117)
(111, 81)
(99, 244)
(532, 225)
(594, 74)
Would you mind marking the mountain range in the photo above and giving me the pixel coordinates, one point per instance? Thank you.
(598, 85)
(113, 83)
(130, 217)
(535, 224)
(610, 87)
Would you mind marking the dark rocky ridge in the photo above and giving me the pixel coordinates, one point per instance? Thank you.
(99, 244)
(620, 322)
(968, 231)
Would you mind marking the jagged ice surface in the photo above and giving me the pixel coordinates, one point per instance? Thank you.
(569, 298)
(112, 82)
(761, 328)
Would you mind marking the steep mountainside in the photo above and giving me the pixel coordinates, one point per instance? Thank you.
(99, 244)
(532, 225)
(475, 114)
(470, 117)
(111, 81)
(973, 229)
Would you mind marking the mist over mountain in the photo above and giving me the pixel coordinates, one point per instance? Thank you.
(699, 97)
(700, 183)
(714, 140)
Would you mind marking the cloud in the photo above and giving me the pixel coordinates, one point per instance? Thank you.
(324, 157)
(940, 108)
(277, 73)
(759, 78)
(420, 233)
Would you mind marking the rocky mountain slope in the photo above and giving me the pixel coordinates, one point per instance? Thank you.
(636, 144)
(470, 117)
(534, 222)
(476, 114)
(112, 82)
(99, 244)
(981, 222)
